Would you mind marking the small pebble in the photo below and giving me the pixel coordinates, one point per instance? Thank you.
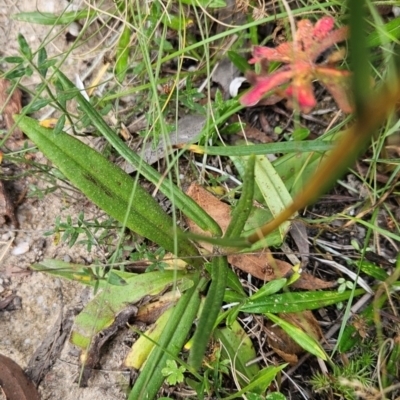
(235, 86)
(74, 29)
(5, 236)
(20, 249)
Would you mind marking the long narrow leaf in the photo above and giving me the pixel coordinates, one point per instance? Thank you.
(169, 345)
(188, 206)
(243, 208)
(211, 309)
(295, 302)
(106, 185)
(300, 337)
(262, 149)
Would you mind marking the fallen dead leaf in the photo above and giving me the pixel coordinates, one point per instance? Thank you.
(283, 344)
(310, 282)
(261, 265)
(150, 312)
(14, 383)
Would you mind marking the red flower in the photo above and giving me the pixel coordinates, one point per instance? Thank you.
(301, 55)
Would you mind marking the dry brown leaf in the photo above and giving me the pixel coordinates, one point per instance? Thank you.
(290, 358)
(218, 210)
(283, 344)
(310, 282)
(256, 134)
(10, 104)
(150, 312)
(261, 265)
(14, 383)
(6, 207)
(299, 235)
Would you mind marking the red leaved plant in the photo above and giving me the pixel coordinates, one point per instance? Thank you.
(301, 55)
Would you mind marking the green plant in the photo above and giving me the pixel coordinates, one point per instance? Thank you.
(123, 198)
(359, 369)
(173, 374)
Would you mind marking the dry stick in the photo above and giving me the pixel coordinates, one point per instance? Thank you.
(350, 146)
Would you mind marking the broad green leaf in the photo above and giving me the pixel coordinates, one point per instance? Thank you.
(268, 289)
(274, 191)
(234, 283)
(37, 105)
(300, 337)
(42, 62)
(13, 60)
(238, 242)
(295, 169)
(295, 302)
(107, 186)
(238, 347)
(100, 312)
(46, 18)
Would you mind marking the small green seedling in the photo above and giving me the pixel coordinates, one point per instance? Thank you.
(173, 373)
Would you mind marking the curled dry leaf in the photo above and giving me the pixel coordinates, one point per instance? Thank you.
(261, 264)
(10, 103)
(14, 383)
(150, 312)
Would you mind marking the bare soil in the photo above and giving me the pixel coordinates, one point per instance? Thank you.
(41, 302)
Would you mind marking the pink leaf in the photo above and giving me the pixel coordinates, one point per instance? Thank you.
(303, 94)
(264, 84)
(338, 84)
(281, 53)
(323, 27)
(309, 42)
(337, 36)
